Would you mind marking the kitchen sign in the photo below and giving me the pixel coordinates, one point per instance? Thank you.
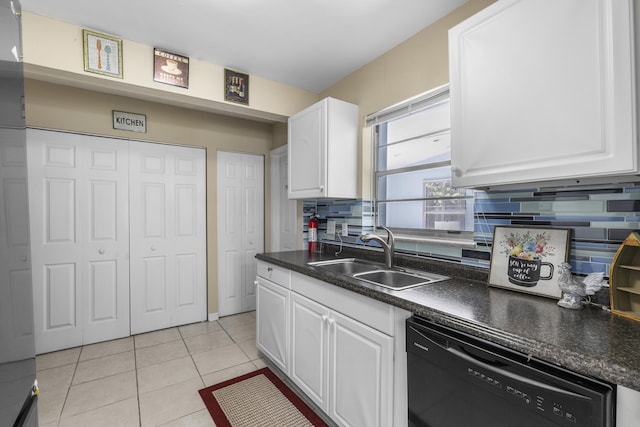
(129, 121)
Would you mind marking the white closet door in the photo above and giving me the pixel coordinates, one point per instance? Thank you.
(16, 327)
(253, 225)
(240, 229)
(190, 243)
(229, 203)
(79, 238)
(150, 248)
(168, 236)
(54, 178)
(105, 241)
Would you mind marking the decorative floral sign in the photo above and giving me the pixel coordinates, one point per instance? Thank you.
(527, 245)
(525, 259)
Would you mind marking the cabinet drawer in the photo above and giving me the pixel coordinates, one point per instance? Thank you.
(371, 312)
(279, 275)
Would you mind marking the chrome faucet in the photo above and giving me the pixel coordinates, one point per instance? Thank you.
(387, 246)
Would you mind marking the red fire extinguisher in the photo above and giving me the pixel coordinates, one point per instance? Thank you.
(313, 233)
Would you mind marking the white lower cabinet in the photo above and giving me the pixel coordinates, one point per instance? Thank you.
(272, 322)
(352, 367)
(344, 366)
(343, 350)
(627, 407)
(309, 351)
(272, 313)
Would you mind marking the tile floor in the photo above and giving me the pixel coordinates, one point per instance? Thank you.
(149, 379)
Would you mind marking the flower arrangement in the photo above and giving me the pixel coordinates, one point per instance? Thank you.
(527, 245)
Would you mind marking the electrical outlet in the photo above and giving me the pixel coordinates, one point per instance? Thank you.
(345, 229)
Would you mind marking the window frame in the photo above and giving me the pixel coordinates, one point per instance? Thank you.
(397, 111)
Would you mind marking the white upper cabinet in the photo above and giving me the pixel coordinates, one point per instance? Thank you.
(544, 90)
(323, 148)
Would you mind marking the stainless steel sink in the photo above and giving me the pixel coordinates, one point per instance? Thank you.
(378, 274)
(349, 266)
(399, 280)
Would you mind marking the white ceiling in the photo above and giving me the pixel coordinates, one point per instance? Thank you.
(310, 44)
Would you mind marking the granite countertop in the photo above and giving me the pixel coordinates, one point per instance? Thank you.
(591, 341)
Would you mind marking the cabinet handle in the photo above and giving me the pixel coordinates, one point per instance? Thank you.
(153, 248)
(101, 251)
(23, 258)
(269, 269)
(322, 189)
(456, 171)
(324, 317)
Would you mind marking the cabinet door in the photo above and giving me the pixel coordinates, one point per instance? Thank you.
(361, 374)
(530, 105)
(272, 322)
(309, 348)
(307, 152)
(627, 407)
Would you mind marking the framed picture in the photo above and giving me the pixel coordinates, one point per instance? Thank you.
(170, 68)
(236, 86)
(526, 259)
(102, 54)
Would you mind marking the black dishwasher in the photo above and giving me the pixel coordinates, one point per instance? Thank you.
(457, 380)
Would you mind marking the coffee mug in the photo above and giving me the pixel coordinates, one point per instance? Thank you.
(172, 65)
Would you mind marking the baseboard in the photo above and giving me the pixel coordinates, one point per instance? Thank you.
(213, 316)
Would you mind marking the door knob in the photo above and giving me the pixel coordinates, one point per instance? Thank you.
(101, 251)
(153, 248)
(23, 258)
(251, 242)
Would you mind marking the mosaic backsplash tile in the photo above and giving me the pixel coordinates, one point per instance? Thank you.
(599, 218)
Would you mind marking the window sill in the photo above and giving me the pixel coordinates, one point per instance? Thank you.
(467, 243)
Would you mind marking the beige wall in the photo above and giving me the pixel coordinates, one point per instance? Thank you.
(53, 51)
(280, 134)
(415, 66)
(57, 107)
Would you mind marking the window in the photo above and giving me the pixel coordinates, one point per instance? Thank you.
(412, 174)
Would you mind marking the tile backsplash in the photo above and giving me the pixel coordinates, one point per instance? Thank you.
(599, 217)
